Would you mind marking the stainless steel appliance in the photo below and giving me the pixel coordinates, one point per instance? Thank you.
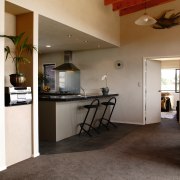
(67, 65)
(69, 75)
(69, 82)
(17, 95)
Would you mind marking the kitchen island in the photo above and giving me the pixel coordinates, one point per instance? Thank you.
(60, 115)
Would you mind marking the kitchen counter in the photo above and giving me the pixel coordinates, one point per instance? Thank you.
(61, 98)
(60, 115)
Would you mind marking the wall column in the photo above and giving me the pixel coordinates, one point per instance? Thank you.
(35, 88)
(2, 75)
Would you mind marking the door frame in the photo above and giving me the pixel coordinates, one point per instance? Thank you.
(144, 88)
(153, 58)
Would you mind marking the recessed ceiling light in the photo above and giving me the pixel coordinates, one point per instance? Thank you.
(85, 41)
(48, 46)
(69, 35)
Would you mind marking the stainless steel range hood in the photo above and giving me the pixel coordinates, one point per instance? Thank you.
(68, 65)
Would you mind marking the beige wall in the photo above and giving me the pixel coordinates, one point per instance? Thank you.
(92, 18)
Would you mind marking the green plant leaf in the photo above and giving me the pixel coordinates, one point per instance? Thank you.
(25, 60)
(7, 51)
(18, 38)
(24, 43)
(22, 49)
(22, 59)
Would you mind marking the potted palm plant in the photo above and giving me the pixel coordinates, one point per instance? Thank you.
(19, 54)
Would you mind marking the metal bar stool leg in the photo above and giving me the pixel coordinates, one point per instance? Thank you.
(111, 102)
(82, 124)
(109, 122)
(91, 124)
(100, 123)
(94, 105)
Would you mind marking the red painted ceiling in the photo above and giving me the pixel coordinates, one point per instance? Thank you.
(130, 6)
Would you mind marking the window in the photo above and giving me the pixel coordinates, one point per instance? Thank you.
(49, 74)
(168, 79)
(62, 80)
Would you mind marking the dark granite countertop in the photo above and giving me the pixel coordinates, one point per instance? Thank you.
(62, 98)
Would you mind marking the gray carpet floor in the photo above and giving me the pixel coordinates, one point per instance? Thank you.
(124, 153)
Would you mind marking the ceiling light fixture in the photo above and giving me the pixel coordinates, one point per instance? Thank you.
(69, 35)
(48, 46)
(145, 19)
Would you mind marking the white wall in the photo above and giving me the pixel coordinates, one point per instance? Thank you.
(94, 64)
(18, 133)
(2, 109)
(91, 17)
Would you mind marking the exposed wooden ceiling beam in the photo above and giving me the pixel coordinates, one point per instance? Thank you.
(107, 2)
(123, 4)
(142, 6)
(131, 6)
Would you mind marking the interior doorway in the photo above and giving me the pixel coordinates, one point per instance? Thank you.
(169, 91)
(155, 96)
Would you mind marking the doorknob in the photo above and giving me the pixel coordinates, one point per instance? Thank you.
(159, 91)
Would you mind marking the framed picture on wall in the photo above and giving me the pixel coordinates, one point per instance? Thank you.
(50, 75)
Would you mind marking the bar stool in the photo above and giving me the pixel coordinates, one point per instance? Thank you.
(112, 103)
(94, 105)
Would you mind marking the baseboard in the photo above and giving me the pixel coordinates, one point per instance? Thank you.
(127, 122)
(36, 155)
(3, 168)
